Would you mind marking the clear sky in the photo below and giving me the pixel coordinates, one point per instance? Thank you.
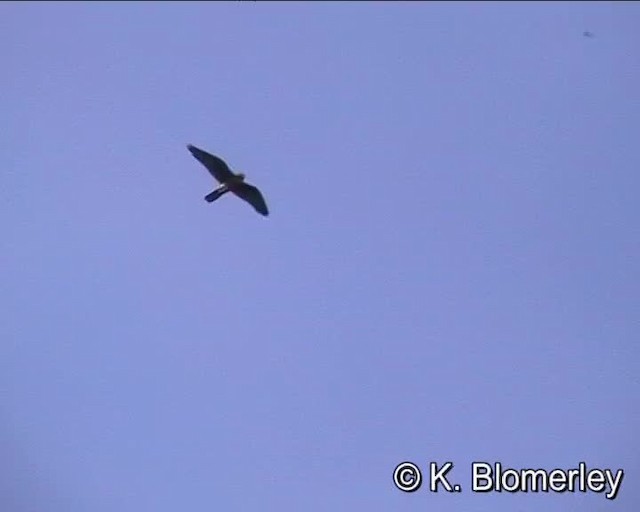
(451, 269)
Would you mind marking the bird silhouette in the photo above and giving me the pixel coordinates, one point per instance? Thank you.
(229, 181)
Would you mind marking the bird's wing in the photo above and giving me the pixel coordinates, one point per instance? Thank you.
(216, 166)
(252, 196)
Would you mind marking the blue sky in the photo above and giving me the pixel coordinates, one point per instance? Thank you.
(451, 269)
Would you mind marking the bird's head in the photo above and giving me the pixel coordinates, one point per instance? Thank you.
(240, 176)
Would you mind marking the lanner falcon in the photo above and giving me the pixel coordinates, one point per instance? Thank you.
(229, 181)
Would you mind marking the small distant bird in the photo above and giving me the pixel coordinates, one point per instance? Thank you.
(586, 33)
(229, 181)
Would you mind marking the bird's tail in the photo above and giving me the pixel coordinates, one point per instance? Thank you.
(210, 198)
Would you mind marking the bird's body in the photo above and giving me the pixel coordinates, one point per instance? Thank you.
(229, 181)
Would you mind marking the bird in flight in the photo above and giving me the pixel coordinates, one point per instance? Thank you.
(229, 181)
